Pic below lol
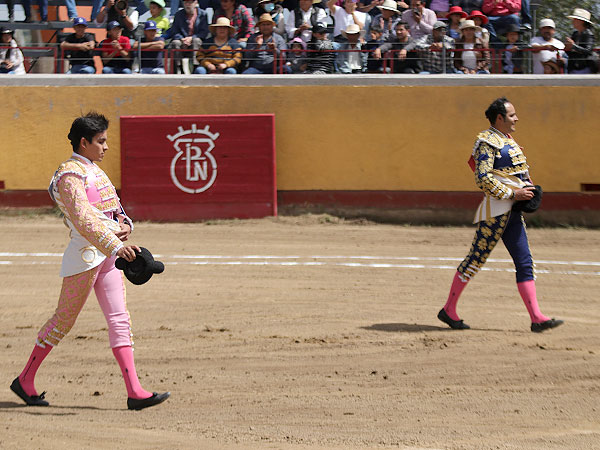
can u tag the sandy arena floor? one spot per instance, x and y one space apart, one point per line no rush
310 333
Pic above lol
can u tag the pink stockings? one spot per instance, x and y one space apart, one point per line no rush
526 289
109 287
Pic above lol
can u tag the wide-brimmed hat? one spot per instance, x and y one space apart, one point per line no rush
141 268
266 17
260 2
160 3
479 14
581 14
352 29
468 23
456 10
221 22
390 5
547 23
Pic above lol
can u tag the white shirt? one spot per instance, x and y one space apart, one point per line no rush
545 55
343 19
290 26
469 59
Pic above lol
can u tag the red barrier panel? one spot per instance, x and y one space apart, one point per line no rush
187 168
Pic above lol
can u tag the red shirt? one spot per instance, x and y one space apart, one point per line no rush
497 8
107 48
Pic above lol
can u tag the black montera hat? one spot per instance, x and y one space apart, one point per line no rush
532 204
141 268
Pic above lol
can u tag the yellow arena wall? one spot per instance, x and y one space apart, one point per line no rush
328 137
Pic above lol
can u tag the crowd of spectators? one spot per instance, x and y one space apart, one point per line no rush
317 36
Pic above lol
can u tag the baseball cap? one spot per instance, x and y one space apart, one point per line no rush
547 23
439 24
79 21
113 24
150 25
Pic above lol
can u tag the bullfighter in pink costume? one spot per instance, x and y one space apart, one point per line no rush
98 225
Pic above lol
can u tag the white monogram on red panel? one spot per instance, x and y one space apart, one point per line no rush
194 168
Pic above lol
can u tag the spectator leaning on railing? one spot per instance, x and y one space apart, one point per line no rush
220 53
434 50
580 46
512 57
265 45
79 46
321 51
152 45
403 62
472 59
547 49
11 57
116 50
351 61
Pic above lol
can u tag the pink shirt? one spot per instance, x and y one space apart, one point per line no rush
496 8
424 26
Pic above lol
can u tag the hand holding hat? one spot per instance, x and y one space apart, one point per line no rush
141 269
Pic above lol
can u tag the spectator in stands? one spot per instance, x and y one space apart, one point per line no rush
240 18
481 21
472 59
11 58
97 5
546 47
345 16
158 15
580 46
220 53
116 50
42 5
322 56
152 45
387 19
189 29
266 44
434 50
420 20
274 8
296 61
501 14
80 48
512 57
403 61
119 11
374 65
303 18
455 16
349 61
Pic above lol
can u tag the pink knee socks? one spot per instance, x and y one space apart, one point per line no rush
27 377
124 356
455 290
528 294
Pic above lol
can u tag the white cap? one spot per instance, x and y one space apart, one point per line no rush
547 23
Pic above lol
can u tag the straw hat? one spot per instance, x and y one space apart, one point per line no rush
390 5
221 22
467 24
266 17
581 14
352 29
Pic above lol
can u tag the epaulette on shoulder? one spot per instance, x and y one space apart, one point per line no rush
491 138
71 166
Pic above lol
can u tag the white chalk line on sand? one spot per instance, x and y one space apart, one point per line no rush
319 260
